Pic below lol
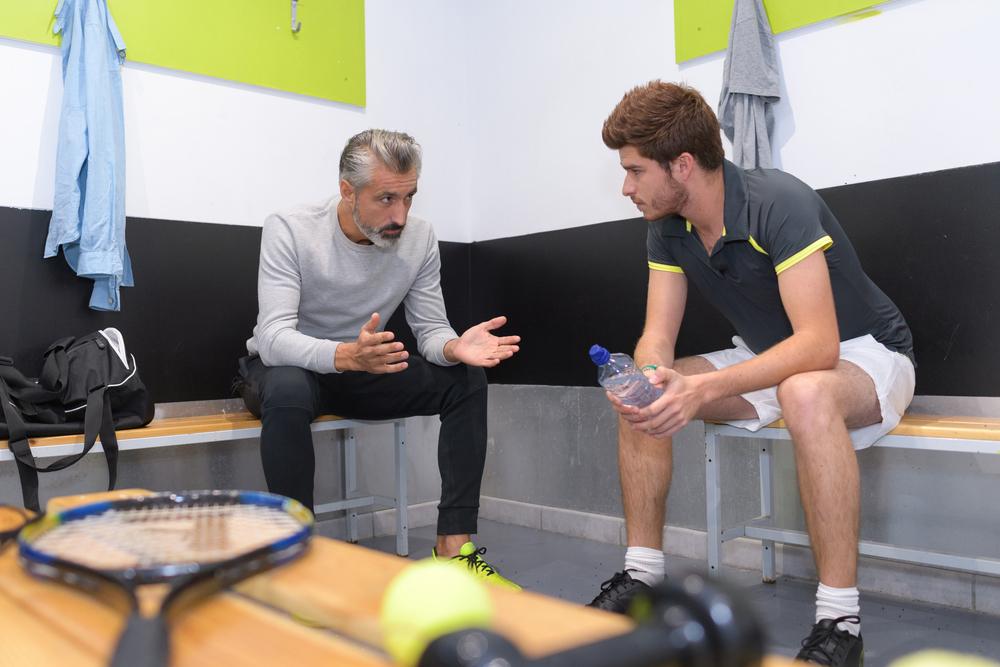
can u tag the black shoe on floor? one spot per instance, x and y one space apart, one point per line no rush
617 592
827 645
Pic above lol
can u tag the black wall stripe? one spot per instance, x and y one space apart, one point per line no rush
565 290
186 320
928 240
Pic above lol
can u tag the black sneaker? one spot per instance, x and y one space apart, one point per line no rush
827 645
617 592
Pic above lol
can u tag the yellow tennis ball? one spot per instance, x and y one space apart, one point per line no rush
427 600
941 658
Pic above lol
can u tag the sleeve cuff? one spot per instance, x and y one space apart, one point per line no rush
670 268
819 244
326 354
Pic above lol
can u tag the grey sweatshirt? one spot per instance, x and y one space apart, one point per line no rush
316 288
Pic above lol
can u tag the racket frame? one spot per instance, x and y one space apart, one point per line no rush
188 582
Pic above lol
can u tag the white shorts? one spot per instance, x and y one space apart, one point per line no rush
891 372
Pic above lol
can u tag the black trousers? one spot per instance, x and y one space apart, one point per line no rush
287 399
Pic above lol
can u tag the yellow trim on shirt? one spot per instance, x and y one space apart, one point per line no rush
688 224
756 246
665 267
819 244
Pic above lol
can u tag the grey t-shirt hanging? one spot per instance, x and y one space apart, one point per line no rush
316 288
750 85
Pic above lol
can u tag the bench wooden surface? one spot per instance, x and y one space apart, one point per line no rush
933 426
930 426
215 423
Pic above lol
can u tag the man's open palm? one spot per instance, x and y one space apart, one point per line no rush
479 347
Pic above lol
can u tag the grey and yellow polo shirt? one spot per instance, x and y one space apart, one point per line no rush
773 221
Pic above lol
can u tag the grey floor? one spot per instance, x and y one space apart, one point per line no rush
572 569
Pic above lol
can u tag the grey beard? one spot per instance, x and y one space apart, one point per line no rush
372 234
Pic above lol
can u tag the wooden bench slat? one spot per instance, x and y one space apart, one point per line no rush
171 426
936 426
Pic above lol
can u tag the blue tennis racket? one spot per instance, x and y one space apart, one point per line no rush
195 542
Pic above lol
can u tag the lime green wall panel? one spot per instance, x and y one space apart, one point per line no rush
239 40
702 26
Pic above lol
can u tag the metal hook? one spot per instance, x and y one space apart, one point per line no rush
296 25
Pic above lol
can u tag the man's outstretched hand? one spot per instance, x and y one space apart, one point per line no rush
479 347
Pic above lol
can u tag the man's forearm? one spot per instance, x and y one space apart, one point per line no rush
650 351
799 353
289 347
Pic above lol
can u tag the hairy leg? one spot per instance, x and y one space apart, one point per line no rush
818 408
645 464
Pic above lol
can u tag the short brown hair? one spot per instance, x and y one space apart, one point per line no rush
663 120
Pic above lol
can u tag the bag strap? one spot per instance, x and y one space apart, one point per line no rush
17 442
109 440
98 420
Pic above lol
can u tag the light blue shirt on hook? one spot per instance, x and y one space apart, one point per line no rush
88 211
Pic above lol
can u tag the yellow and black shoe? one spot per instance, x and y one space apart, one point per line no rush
471 558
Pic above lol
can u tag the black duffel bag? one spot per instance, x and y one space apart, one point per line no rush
87 385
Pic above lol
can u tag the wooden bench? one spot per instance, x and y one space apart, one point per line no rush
176 431
979 435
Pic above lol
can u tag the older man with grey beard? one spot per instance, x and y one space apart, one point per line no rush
329 274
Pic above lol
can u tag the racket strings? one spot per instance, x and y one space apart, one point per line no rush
151 537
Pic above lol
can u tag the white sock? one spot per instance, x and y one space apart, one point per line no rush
836 602
645 565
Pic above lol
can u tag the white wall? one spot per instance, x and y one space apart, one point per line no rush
205 150
508 98
911 90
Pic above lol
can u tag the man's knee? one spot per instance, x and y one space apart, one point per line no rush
806 399
475 379
465 381
288 387
634 440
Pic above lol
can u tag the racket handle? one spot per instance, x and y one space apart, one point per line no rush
144 643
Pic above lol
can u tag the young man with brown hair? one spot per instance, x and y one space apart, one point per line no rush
818 343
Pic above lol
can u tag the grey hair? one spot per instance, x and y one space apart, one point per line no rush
396 150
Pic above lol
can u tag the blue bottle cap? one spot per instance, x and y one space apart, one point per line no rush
599 355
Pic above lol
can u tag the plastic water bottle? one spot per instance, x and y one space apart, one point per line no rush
617 373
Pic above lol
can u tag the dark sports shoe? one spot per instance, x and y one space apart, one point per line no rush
826 645
617 592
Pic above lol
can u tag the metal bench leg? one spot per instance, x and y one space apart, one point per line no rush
713 499
349 468
766 504
402 525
